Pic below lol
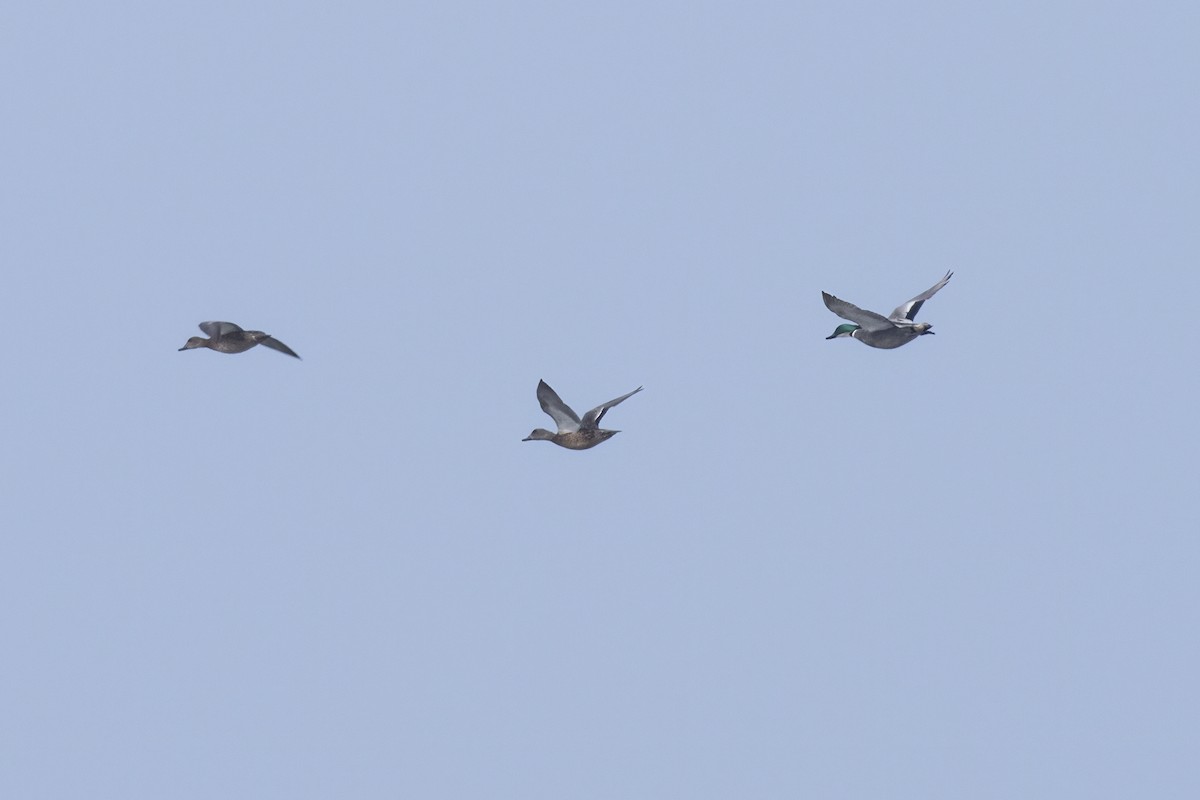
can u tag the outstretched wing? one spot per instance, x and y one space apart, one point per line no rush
216 330
909 310
592 418
560 412
867 320
275 344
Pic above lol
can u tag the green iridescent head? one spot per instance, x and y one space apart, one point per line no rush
845 329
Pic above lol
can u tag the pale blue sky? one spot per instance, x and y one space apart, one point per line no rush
806 568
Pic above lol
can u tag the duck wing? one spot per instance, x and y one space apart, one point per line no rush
867 320
592 418
275 344
909 310
216 330
566 419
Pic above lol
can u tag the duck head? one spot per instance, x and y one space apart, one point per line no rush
845 329
539 433
923 327
193 343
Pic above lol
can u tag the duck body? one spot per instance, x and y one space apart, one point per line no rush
573 432
225 337
572 440
876 330
886 339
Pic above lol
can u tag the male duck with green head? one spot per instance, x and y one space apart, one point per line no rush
877 330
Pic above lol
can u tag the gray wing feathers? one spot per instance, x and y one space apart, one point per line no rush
867 320
275 344
909 310
592 418
560 412
218 329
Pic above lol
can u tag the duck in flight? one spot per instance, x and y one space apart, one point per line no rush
573 433
877 330
225 337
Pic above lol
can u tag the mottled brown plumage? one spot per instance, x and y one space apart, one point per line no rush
229 338
573 433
